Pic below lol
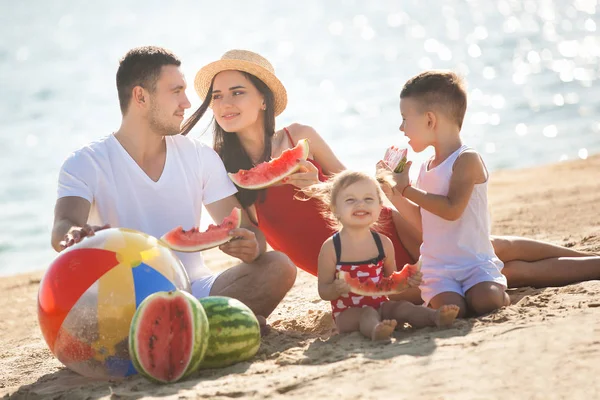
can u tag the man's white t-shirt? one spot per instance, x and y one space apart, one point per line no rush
122 195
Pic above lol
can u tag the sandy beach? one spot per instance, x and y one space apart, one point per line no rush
545 345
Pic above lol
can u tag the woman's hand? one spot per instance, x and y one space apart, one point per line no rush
307 175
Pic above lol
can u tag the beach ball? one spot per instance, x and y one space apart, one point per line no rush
90 292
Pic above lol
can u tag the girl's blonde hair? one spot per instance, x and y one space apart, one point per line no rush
328 191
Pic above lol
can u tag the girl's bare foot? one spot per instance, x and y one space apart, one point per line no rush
383 330
445 315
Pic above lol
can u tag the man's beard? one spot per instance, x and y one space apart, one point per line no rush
159 127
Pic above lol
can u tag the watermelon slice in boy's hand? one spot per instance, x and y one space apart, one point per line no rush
395 158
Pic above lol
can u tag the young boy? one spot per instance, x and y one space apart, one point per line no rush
449 202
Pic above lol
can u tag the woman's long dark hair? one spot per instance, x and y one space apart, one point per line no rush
227 144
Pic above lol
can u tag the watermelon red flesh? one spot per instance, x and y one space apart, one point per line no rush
193 240
392 284
268 173
168 336
164 347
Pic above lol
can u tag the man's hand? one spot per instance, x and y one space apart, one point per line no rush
244 246
76 234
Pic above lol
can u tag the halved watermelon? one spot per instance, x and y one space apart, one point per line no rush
392 284
168 336
268 173
193 240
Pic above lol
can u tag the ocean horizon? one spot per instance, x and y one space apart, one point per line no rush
531 68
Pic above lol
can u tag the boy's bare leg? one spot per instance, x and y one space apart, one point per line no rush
511 248
486 297
260 285
418 316
552 271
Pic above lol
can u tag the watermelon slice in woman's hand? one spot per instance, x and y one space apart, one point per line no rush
193 240
269 173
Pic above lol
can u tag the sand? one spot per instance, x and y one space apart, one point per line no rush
545 345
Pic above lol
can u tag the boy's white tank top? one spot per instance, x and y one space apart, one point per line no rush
461 243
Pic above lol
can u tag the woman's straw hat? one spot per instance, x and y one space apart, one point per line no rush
247 61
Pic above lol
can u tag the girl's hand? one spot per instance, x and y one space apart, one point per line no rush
415 280
341 287
307 175
416 277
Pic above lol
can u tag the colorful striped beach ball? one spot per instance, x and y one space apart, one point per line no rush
90 292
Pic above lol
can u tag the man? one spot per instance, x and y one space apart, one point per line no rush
147 177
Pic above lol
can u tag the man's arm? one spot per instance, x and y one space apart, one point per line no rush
70 222
251 242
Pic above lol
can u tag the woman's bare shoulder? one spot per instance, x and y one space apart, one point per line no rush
299 131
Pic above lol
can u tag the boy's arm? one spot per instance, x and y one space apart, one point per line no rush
410 211
392 184
468 170
329 285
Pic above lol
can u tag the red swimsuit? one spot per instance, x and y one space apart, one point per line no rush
369 269
298 229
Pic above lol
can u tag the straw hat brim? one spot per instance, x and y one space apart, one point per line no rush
206 74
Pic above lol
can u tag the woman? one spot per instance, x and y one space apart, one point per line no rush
246 96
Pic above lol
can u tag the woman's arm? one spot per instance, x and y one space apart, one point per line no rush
319 149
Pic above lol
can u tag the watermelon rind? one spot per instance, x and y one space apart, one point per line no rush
234 332
195 247
303 155
200 333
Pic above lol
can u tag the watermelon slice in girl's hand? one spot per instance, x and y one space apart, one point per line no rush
395 283
395 158
193 240
268 173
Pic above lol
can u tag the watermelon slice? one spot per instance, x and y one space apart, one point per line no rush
395 158
395 283
193 240
268 173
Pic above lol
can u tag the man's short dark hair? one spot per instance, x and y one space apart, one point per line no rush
442 91
141 66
